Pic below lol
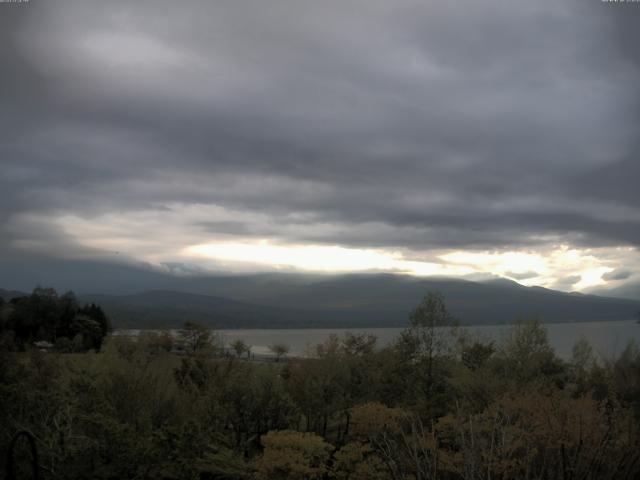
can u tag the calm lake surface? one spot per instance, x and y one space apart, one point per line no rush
607 338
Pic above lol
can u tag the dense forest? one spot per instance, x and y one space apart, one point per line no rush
438 403
53 321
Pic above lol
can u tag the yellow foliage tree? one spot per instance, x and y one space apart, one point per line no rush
358 461
540 435
372 419
290 455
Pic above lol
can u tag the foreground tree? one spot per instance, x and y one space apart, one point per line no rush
358 461
196 337
535 435
290 455
239 347
528 356
279 350
429 335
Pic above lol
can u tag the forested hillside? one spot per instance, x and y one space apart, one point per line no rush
297 301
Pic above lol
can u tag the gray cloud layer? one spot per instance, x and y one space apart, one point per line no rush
618 274
405 124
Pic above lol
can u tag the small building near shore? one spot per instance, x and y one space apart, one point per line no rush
43 345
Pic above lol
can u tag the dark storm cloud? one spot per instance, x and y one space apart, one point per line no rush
405 124
618 274
230 227
567 282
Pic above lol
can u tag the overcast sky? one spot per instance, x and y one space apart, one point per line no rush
449 137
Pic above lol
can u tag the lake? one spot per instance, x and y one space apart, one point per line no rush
607 338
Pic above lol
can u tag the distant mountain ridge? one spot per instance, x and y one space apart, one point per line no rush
9 294
277 300
629 290
165 308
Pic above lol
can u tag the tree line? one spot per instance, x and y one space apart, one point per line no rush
54 320
438 403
